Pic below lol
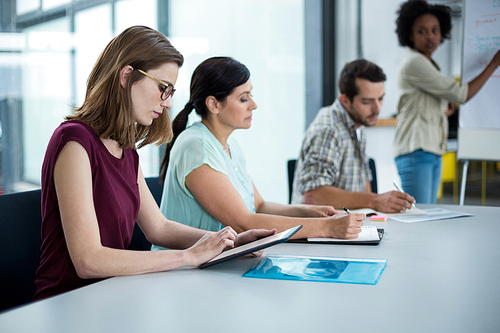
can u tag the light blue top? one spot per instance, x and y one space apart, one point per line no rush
194 147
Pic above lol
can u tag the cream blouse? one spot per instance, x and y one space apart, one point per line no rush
425 93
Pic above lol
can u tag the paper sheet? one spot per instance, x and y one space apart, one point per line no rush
433 214
369 211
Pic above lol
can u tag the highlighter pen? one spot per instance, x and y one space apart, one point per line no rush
400 190
347 210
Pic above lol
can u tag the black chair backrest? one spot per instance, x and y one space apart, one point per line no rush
291 172
156 188
371 164
20 242
139 241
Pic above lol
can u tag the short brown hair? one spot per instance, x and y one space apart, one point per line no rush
358 69
108 107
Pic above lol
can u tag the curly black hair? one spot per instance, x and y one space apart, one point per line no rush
411 10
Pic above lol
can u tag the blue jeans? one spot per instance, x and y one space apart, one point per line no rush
420 174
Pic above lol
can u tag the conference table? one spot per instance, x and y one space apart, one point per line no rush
441 276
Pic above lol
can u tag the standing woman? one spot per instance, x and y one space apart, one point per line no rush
93 189
204 168
427 98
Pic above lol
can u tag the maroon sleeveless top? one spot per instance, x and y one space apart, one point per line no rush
116 201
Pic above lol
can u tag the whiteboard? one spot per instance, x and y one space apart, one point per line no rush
479 119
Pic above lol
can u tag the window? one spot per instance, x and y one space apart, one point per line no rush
60 40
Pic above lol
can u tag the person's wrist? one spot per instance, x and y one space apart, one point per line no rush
372 200
327 227
301 210
188 258
496 62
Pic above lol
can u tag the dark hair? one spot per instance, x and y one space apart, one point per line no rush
358 69
217 77
411 10
108 107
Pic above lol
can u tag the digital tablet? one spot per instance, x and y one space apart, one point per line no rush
254 246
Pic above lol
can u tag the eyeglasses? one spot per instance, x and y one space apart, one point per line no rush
168 89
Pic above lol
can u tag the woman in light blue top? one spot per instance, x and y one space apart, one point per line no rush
206 183
193 148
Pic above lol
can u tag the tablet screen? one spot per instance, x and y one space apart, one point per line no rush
254 246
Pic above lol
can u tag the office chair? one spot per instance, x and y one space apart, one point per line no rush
139 241
20 242
291 172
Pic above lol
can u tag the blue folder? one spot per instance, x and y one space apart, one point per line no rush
321 269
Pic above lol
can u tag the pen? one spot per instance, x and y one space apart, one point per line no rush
347 210
400 190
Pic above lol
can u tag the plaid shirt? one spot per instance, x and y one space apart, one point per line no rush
332 154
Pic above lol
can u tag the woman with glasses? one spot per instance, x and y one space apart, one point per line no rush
93 189
204 168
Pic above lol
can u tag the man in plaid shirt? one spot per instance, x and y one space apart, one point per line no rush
332 168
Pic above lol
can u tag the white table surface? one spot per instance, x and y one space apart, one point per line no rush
441 276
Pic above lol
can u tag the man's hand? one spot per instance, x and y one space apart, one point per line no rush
393 202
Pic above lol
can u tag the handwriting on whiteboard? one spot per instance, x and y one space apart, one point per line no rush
486 43
486 21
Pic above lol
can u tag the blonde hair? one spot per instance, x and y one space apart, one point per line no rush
108 106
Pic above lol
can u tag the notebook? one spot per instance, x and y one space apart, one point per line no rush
369 235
